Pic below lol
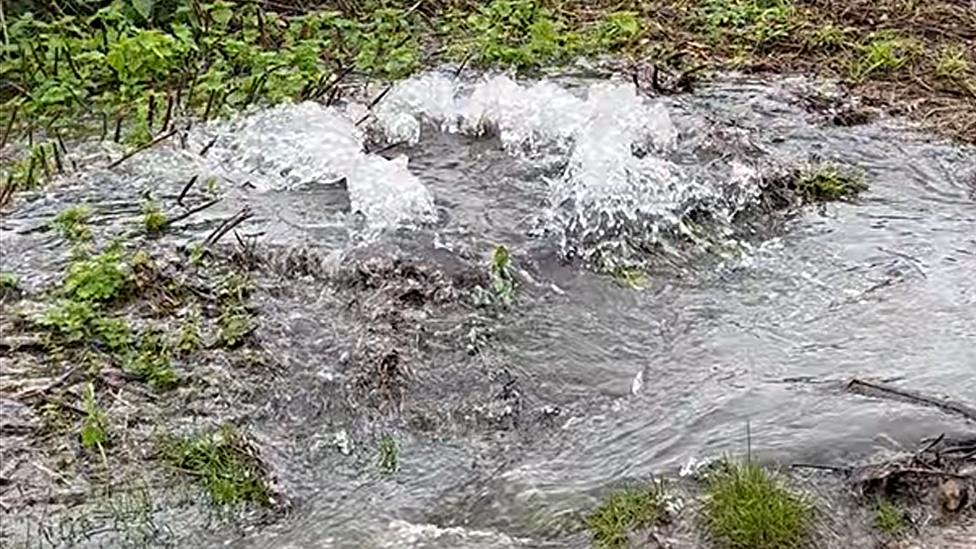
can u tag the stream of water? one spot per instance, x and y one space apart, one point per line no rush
613 383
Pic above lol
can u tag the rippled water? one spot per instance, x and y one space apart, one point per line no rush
614 383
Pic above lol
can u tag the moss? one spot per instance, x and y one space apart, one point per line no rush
747 507
223 463
827 183
625 511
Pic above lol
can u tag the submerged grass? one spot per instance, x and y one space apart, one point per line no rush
223 463
828 183
747 507
625 511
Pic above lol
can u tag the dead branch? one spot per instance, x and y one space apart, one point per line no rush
868 388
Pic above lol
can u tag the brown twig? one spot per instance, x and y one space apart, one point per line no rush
192 211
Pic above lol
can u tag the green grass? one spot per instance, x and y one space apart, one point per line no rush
94 433
889 518
223 463
625 511
747 507
754 23
884 54
828 183
952 63
72 224
388 455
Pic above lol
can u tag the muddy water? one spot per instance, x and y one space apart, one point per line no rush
610 383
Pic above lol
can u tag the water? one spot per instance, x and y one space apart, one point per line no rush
586 382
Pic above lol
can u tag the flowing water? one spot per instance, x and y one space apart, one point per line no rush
596 382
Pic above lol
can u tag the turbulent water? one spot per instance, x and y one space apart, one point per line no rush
610 383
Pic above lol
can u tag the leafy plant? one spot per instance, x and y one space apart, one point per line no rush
224 463
757 22
189 338
72 224
71 320
151 363
625 511
100 278
502 279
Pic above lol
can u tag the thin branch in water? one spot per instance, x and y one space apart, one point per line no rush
206 148
186 189
192 211
141 148
244 214
464 63
373 103
57 157
118 127
876 389
210 103
169 111
151 111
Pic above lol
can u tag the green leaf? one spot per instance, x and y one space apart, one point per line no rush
144 7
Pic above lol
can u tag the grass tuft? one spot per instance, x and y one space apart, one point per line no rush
625 511
93 431
9 284
827 183
153 219
952 63
746 507
889 518
223 463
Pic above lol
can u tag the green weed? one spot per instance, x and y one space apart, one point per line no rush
626 511
830 37
233 289
827 183
389 455
748 508
9 284
952 63
755 22
513 33
153 219
502 290
189 338
71 320
150 362
93 429
889 518
224 463
615 30
99 279
630 277
72 224
884 54
234 327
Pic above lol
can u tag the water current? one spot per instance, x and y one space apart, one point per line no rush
612 383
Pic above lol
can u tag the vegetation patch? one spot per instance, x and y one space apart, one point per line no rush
388 456
225 465
153 219
747 507
889 518
98 279
72 224
827 183
502 280
626 511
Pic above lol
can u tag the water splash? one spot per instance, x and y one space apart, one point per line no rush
308 144
623 177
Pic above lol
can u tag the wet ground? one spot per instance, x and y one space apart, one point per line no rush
511 423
